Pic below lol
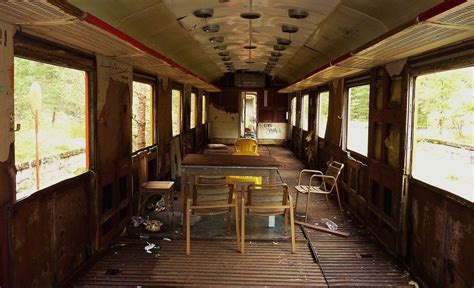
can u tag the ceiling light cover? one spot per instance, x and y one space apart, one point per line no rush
279 47
250 47
273 59
223 53
289 28
297 13
226 59
204 13
276 54
220 47
250 15
283 41
211 28
217 39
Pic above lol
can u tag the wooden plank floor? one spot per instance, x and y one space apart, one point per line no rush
344 262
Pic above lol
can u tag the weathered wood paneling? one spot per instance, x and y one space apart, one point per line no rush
50 233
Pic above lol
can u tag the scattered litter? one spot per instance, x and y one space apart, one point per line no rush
275 243
113 271
149 247
115 252
118 245
144 236
167 239
157 255
331 225
136 221
414 283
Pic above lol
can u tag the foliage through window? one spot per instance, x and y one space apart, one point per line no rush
50 103
142 116
443 146
358 119
176 111
204 109
192 116
304 112
293 111
323 108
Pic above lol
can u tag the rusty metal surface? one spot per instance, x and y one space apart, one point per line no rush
211 263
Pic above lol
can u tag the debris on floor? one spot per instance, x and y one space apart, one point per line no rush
167 239
331 225
136 221
150 247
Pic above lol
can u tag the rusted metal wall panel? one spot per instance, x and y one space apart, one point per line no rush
441 237
7 173
49 233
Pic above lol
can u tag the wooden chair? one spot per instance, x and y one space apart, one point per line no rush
211 199
150 188
327 184
268 200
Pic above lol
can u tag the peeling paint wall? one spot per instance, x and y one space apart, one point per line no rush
223 125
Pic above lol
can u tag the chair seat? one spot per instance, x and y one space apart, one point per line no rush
158 185
245 179
310 189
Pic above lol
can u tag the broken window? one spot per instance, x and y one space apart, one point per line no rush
358 119
50 106
142 116
192 116
293 111
323 108
176 111
304 112
443 144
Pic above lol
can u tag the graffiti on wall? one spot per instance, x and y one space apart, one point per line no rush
272 130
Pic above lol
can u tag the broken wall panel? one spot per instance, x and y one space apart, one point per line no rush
50 233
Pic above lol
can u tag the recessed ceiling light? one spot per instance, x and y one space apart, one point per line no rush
273 59
250 15
204 13
276 54
250 47
211 28
220 47
289 28
217 39
226 59
297 13
223 53
250 62
279 47
283 41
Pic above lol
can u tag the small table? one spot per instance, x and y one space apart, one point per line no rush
225 165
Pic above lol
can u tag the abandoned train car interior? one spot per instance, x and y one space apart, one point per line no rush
216 143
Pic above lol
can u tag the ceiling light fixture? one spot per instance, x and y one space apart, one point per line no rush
276 54
217 39
226 59
250 16
279 48
283 41
204 13
297 13
220 47
211 28
289 28
250 47
223 53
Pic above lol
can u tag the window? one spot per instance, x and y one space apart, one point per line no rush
304 112
192 116
323 108
358 119
176 111
50 106
142 116
204 109
293 111
443 144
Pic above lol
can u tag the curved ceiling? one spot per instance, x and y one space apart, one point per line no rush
332 28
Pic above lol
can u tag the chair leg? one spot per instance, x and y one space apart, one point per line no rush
327 201
286 221
242 230
229 214
237 228
338 199
188 227
292 226
296 204
307 207
167 205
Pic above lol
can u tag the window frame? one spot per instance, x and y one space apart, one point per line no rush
361 80
204 106
191 116
180 88
26 47
304 124
145 79
293 106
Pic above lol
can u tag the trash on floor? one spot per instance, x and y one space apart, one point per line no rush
136 221
167 239
331 225
150 247
153 225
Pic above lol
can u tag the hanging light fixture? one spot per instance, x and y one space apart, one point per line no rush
250 16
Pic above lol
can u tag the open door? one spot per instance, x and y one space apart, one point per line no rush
248 114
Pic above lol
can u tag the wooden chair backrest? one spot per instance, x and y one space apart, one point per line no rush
142 167
208 179
248 145
212 194
334 170
259 196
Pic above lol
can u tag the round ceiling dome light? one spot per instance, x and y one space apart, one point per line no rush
273 59
226 59
276 54
217 39
297 13
250 47
211 28
204 13
289 28
220 47
283 41
249 62
279 47
223 53
250 15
